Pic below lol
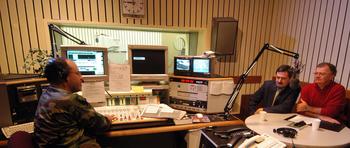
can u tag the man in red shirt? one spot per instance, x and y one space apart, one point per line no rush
323 99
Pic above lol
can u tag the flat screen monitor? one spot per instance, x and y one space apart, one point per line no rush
92 61
182 66
148 63
201 67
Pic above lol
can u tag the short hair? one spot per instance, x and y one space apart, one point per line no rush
286 68
331 67
57 70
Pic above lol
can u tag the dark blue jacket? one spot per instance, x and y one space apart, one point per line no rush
284 102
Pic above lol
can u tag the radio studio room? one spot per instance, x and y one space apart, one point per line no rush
174 73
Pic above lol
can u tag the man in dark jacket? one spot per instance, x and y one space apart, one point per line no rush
276 96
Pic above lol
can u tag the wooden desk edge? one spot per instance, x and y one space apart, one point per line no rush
3 143
163 129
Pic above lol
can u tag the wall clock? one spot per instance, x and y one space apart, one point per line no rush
133 8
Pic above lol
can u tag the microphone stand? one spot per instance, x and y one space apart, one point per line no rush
243 77
52 29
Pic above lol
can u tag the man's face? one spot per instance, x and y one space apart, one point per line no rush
74 78
323 75
282 79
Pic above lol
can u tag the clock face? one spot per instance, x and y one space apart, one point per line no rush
133 7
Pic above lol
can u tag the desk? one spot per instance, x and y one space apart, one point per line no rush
152 131
172 136
172 128
305 137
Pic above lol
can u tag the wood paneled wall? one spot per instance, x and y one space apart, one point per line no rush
317 29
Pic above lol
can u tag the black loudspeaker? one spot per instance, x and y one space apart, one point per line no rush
286 132
224 35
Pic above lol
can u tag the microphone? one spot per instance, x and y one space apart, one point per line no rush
277 49
234 140
294 83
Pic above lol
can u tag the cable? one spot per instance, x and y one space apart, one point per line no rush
292 143
110 96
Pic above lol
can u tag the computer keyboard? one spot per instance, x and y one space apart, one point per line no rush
9 130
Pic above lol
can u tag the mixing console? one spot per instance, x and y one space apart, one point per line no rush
126 114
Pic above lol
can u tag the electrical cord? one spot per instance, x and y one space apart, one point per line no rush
293 145
110 96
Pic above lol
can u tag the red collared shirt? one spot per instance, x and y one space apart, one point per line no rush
331 99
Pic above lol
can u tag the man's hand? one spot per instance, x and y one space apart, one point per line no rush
302 106
329 119
111 117
258 110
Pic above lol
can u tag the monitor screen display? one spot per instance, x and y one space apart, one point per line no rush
88 62
92 61
148 61
201 65
182 64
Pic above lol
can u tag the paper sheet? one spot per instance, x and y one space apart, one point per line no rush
119 77
94 92
152 109
221 87
299 118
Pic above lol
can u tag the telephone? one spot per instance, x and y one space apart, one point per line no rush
262 141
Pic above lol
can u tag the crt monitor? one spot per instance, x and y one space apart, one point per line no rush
91 60
202 67
182 66
148 63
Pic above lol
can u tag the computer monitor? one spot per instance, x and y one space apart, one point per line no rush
182 66
92 61
148 63
202 67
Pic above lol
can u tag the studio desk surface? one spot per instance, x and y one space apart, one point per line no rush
215 121
172 128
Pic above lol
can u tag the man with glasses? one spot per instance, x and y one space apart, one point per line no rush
323 99
65 119
276 96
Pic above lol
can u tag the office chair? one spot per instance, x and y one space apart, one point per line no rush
21 139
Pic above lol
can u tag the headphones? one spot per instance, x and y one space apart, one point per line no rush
286 132
59 68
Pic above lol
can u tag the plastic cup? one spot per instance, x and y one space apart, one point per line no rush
262 115
315 124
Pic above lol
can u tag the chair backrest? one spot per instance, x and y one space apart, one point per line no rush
346 115
21 139
244 113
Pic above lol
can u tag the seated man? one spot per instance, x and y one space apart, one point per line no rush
64 119
276 96
324 98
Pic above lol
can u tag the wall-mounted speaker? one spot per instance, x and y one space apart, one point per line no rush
224 35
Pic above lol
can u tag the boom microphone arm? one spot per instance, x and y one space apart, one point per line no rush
52 29
242 78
